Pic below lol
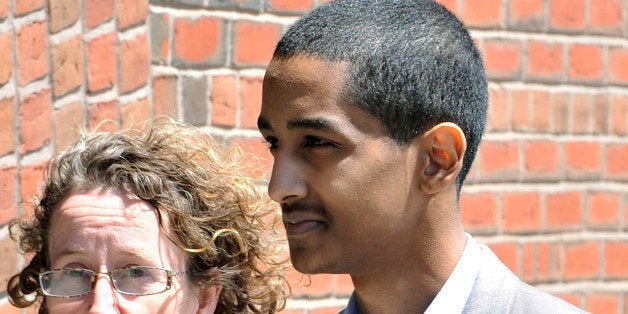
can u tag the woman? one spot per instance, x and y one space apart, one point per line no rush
158 223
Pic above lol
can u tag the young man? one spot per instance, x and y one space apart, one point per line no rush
374 111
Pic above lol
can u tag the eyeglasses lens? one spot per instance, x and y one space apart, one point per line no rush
66 282
137 280
140 280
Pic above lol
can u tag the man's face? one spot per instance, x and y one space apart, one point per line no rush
345 187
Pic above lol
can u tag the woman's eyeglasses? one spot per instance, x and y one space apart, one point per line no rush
135 280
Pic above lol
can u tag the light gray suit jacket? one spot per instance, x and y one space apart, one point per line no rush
497 290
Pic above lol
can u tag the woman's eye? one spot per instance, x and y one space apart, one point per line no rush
136 272
75 273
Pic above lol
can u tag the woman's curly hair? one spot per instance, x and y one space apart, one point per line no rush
216 213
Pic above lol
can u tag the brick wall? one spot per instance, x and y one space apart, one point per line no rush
548 191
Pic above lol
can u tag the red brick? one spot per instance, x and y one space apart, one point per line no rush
63 14
479 211
136 115
499 159
8 262
6 66
567 14
603 209
134 63
581 113
32 56
526 11
104 116
5 8
583 157
8 194
521 212
573 298
521 113
585 62
600 118
224 98
541 158
502 58
160 37
560 104
616 165
619 114
131 13
22 7
195 100
603 303
31 180
36 117
618 65
482 13
508 253
7 127
499 109
546 259
67 66
291 5
68 121
528 262
563 210
199 40
545 60
98 11
541 110
251 100
165 95
606 14
582 261
615 257
101 62
255 42
451 5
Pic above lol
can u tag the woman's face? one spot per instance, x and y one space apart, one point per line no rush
104 230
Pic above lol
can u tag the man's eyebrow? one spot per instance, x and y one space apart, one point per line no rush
317 124
302 123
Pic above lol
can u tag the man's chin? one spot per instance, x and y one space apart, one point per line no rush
312 265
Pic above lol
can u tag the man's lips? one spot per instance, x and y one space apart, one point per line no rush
299 224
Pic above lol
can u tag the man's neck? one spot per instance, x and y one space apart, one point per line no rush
408 280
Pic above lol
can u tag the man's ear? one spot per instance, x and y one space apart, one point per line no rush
208 299
443 149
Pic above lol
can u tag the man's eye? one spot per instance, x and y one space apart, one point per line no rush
311 141
271 141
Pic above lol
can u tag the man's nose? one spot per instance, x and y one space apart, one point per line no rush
287 181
